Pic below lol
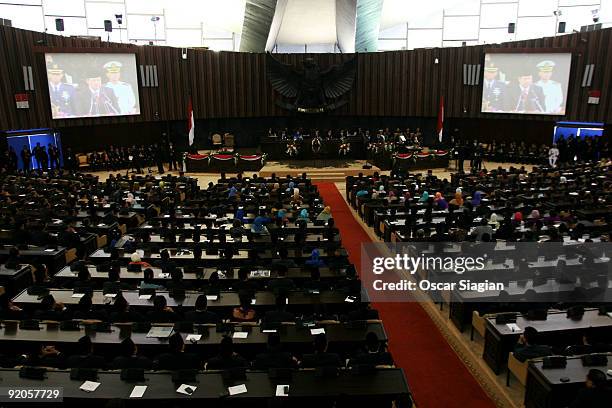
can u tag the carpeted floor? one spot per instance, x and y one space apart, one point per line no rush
436 376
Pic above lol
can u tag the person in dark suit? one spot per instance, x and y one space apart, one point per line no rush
94 99
320 357
113 284
244 284
281 285
161 312
49 309
86 311
121 312
374 353
129 357
274 357
279 314
176 358
524 96
26 158
596 394
201 315
528 347
227 358
85 357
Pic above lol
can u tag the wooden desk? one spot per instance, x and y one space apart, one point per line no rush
545 389
15 280
53 258
556 330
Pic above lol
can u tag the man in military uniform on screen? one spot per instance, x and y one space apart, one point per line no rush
493 90
524 96
61 94
96 100
553 93
123 91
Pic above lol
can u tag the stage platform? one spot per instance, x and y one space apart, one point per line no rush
318 170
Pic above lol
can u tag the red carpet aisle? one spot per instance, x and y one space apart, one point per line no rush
435 374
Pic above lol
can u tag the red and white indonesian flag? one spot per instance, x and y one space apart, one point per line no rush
440 127
190 122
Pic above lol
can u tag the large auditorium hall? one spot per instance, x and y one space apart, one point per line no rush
306 203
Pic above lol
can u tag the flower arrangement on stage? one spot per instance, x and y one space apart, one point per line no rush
344 148
316 144
292 148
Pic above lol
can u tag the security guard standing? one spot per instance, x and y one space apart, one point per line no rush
123 91
553 93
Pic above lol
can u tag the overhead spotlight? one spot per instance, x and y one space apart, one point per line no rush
558 13
155 19
595 14
119 18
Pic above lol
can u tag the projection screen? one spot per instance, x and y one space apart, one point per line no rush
526 83
92 84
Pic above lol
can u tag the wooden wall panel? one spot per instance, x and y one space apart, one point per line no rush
234 85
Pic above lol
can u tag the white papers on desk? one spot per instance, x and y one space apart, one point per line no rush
253 301
350 299
269 331
89 386
314 332
212 297
144 297
166 215
138 391
163 275
193 337
186 389
282 390
49 250
237 389
110 295
77 295
513 327
240 335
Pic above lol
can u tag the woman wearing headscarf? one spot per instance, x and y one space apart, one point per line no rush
239 214
477 198
258 226
424 197
303 215
291 186
282 214
458 200
296 198
440 201
325 214
232 192
314 259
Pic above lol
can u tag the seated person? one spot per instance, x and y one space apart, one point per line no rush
528 347
49 309
596 394
483 228
281 285
244 284
279 314
85 357
147 282
227 358
374 353
244 312
274 357
136 260
320 357
201 315
284 260
314 284
113 284
121 312
258 226
83 283
43 355
325 214
315 259
176 280
176 358
364 311
591 343
129 357
161 313
86 311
